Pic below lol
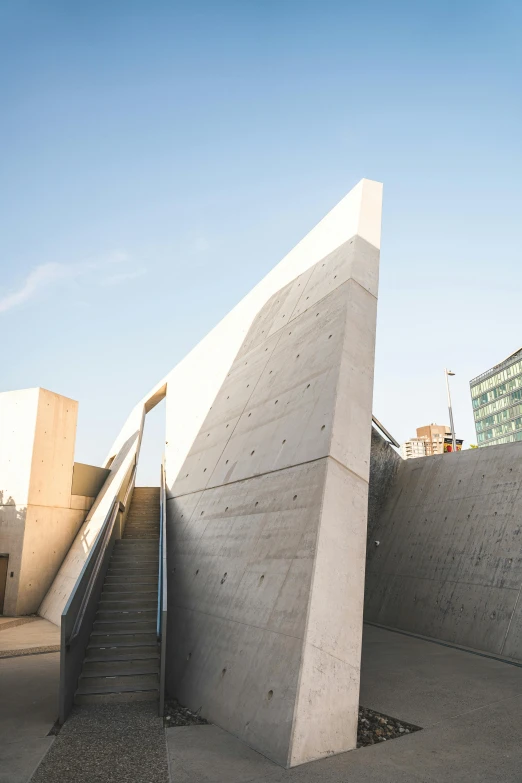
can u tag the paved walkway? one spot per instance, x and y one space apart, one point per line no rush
29 636
470 708
28 711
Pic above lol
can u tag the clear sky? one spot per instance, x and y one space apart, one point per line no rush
158 158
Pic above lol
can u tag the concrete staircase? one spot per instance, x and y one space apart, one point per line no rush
122 660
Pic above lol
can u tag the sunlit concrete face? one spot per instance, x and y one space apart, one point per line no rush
267 521
38 515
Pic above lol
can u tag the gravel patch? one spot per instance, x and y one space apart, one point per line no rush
177 715
373 727
29 651
108 743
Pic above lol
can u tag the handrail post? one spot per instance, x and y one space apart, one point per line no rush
161 625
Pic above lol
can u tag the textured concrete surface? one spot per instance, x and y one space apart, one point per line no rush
384 464
425 683
212 755
449 564
27 636
471 707
267 529
28 710
108 743
37 520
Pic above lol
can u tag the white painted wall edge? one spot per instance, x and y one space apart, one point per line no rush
194 382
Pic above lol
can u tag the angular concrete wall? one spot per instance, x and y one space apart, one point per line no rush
38 516
267 521
449 563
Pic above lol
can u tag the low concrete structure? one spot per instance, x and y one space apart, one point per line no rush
39 516
449 561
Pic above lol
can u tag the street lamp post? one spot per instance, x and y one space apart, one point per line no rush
447 373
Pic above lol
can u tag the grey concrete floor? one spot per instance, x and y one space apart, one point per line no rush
28 710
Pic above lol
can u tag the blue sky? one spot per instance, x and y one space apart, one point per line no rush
159 158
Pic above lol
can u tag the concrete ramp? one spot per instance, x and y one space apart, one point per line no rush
267 521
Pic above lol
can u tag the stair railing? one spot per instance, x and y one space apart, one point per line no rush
80 610
161 625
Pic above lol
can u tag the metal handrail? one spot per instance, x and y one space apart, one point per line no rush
161 624
385 432
106 531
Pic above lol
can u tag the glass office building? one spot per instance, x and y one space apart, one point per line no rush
497 402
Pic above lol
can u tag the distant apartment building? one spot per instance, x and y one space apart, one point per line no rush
433 435
496 396
414 447
429 441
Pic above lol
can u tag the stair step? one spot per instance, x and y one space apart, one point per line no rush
144 537
128 614
119 697
123 579
144 591
131 604
133 569
127 652
119 626
120 667
122 638
109 683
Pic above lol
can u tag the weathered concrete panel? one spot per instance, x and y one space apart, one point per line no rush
88 479
449 563
384 464
37 521
267 526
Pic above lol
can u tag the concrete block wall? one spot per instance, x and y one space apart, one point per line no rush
38 515
449 563
267 521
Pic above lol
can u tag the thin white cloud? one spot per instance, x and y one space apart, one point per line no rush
122 277
46 275
40 277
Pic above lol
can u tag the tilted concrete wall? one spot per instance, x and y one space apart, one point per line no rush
39 517
267 521
449 562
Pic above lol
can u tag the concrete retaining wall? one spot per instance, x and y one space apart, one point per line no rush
449 563
384 465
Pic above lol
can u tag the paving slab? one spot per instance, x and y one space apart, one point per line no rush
28 710
423 683
211 755
37 636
